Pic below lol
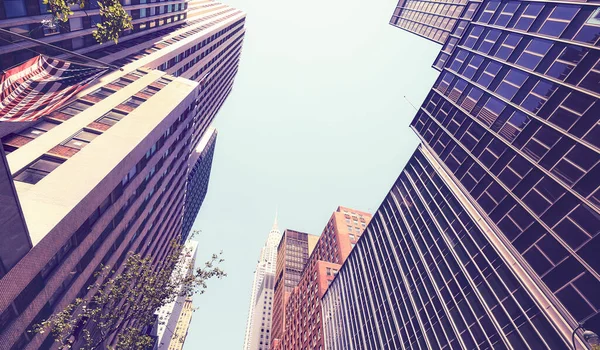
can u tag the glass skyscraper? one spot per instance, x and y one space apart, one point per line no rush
510 131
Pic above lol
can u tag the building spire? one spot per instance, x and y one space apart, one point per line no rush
275 226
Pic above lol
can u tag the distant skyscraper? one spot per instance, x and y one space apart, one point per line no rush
106 174
262 311
303 325
258 325
511 144
200 164
292 255
182 326
170 314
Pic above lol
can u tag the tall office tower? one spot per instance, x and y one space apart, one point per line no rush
292 255
511 130
170 314
106 174
262 312
261 289
182 326
303 326
199 166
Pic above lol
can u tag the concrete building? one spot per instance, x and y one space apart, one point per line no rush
258 325
107 173
292 255
182 326
303 326
262 315
492 231
170 314
199 164
14 236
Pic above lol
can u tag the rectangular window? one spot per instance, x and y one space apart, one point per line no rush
75 108
150 90
15 8
121 82
38 129
38 170
134 102
81 139
101 93
111 118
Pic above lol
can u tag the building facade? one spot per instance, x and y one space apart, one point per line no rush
169 331
200 164
303 326
107 174
15 237
153 19
428 273
292 255
258 325
182 326
509 139
262 315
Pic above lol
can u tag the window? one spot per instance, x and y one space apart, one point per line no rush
38 170
111 118
534 53
134 102
101 93
38 129
508 46
511 83
75 108
528 16
506 14
81 139
150 90
558 20
489 73
15 8
121 82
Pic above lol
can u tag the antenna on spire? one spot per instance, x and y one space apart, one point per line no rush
410 103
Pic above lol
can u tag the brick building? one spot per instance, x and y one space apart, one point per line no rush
292 255
303 327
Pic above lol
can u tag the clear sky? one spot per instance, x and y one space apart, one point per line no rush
316 119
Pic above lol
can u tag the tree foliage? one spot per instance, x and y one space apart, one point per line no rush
123 302
114 17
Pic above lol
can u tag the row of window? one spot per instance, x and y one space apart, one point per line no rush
432 280
544 228
556 152
571 64
23 300
14 141
165 66
575 22
47 163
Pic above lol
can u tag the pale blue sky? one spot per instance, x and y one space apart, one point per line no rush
316 119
